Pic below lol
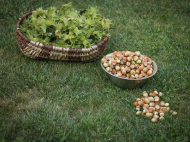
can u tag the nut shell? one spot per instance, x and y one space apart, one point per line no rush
149 115
155 120
138 112
135 103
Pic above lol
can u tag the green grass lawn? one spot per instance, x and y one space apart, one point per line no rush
44 100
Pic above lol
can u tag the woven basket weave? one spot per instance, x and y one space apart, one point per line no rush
38 50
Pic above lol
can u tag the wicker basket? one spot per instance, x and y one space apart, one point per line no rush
38 50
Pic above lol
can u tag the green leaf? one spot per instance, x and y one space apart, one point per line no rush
49 34
55 17
69 36
60 42
40 12
81 20
90 32
72 26
43 27
23 30
36 35
64 20
33 17
92 12
30 36
26 23
49 22
65 7
51 11
46 40
73 40
41 21
105 23
105 34
89 22
36 39
85 43
59 26
58 33
30 32
97 34
73 14
37 27
76 31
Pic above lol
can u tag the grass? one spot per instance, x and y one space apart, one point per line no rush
68 101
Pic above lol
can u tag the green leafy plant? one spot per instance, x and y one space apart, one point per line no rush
66 27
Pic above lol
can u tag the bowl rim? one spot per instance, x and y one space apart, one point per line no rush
155 68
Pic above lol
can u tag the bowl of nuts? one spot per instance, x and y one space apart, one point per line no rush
128 70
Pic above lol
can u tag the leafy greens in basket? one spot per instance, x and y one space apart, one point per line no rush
66 27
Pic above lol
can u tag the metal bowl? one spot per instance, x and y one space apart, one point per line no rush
126 83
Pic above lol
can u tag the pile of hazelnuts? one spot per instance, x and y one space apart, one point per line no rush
127 64
150 106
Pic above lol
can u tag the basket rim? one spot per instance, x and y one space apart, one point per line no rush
21 18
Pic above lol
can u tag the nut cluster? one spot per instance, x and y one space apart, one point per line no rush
127 64
151 106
